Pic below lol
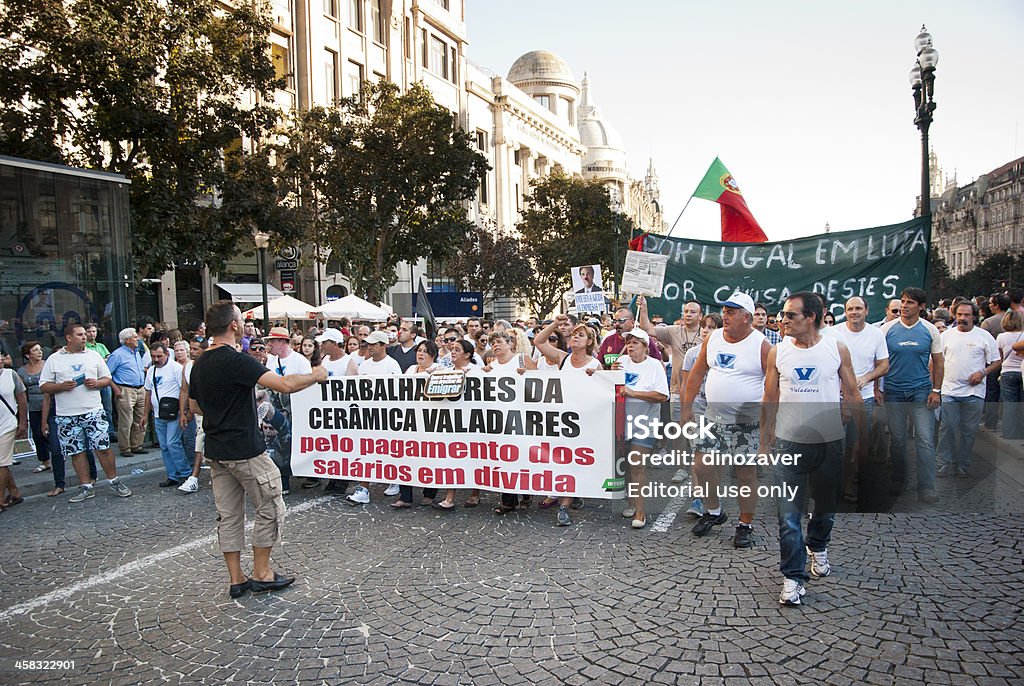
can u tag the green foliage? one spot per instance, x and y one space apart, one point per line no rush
491 261
390 173
568 222
995 274
939 277
152 90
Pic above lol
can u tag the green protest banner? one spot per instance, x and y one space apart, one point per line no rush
876 264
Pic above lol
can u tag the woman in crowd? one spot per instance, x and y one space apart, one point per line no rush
296 340
352 345
32 356
462 360
310 349
550 339
578 359
829 319
507 361
426 362
700 403
480 339
1010 377
645 389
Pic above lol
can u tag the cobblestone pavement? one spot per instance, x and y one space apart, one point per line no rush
134 591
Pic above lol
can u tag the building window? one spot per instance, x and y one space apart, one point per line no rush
454 71
483 190
331 75
282 64
425 41
437 61
544 101
519 198
443 3
481 140
517 158
570 111
355 15
354 78
331 8
377 22
407 37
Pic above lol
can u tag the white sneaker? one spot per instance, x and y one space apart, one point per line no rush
191 485
819 563
628 512
792 592
361 496
391 490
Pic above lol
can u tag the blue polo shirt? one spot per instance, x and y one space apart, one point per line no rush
910 351
128 367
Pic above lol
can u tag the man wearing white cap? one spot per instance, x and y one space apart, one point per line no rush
733 359
284 361
379 363
335 359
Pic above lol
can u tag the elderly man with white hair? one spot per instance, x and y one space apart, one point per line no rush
128 365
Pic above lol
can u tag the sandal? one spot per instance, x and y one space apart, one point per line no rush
45 467
524 502
11 502
503 509
547 502
56 491
400 505
472 502
442 506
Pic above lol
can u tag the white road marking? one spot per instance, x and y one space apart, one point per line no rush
130 568
665 519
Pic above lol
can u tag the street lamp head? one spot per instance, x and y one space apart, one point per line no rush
923 40
915 75
929 57
262 239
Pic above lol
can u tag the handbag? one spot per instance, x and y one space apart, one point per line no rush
166 408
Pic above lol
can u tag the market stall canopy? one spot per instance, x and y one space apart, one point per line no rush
284 307
248 292
353 307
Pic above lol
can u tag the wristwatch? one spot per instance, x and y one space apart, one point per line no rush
936 390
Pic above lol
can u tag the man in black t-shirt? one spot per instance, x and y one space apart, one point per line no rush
221 389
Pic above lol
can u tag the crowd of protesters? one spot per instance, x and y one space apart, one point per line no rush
959 363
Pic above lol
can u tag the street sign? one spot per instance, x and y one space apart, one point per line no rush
286 264
288 281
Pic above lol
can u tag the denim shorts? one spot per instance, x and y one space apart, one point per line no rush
81 431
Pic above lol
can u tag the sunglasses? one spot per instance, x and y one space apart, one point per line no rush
791 315
552 339
451 339
620 321
257 348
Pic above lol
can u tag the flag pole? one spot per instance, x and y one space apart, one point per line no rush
669 234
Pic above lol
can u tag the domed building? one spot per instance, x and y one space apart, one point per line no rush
546 78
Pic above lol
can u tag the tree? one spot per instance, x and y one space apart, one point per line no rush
491 261
151 90
939 277
391 173
568 222
992 275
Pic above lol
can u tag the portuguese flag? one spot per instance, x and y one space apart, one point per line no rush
738 225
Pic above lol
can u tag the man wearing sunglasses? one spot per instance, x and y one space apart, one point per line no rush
612 346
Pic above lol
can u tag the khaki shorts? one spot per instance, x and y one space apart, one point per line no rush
7 449
258 479
200 436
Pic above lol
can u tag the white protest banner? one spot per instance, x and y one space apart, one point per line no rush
536 433
587 289
644 273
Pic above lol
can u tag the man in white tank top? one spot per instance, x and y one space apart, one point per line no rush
801 416
733 359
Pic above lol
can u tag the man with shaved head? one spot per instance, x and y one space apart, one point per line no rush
870 357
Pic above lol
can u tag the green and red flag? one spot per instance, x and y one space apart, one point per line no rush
738 224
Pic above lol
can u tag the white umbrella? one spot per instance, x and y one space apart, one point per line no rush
353 307
285 307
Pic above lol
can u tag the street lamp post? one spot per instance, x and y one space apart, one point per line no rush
262 240
922 80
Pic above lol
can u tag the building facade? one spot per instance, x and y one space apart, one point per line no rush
981 218
533 121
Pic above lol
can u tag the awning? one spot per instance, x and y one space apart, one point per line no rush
248 292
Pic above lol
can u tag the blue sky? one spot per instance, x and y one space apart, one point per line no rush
807 103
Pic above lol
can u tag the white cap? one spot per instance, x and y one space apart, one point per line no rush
377 337
331 335
739 300
638 333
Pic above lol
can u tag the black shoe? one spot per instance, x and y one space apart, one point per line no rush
277 584
744 537
577 504
169 483
708 520
238 590
311 483
336 486
139 451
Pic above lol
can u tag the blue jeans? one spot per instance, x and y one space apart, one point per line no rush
816 474
168 432
1010 393
960 416
912 404
188 440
